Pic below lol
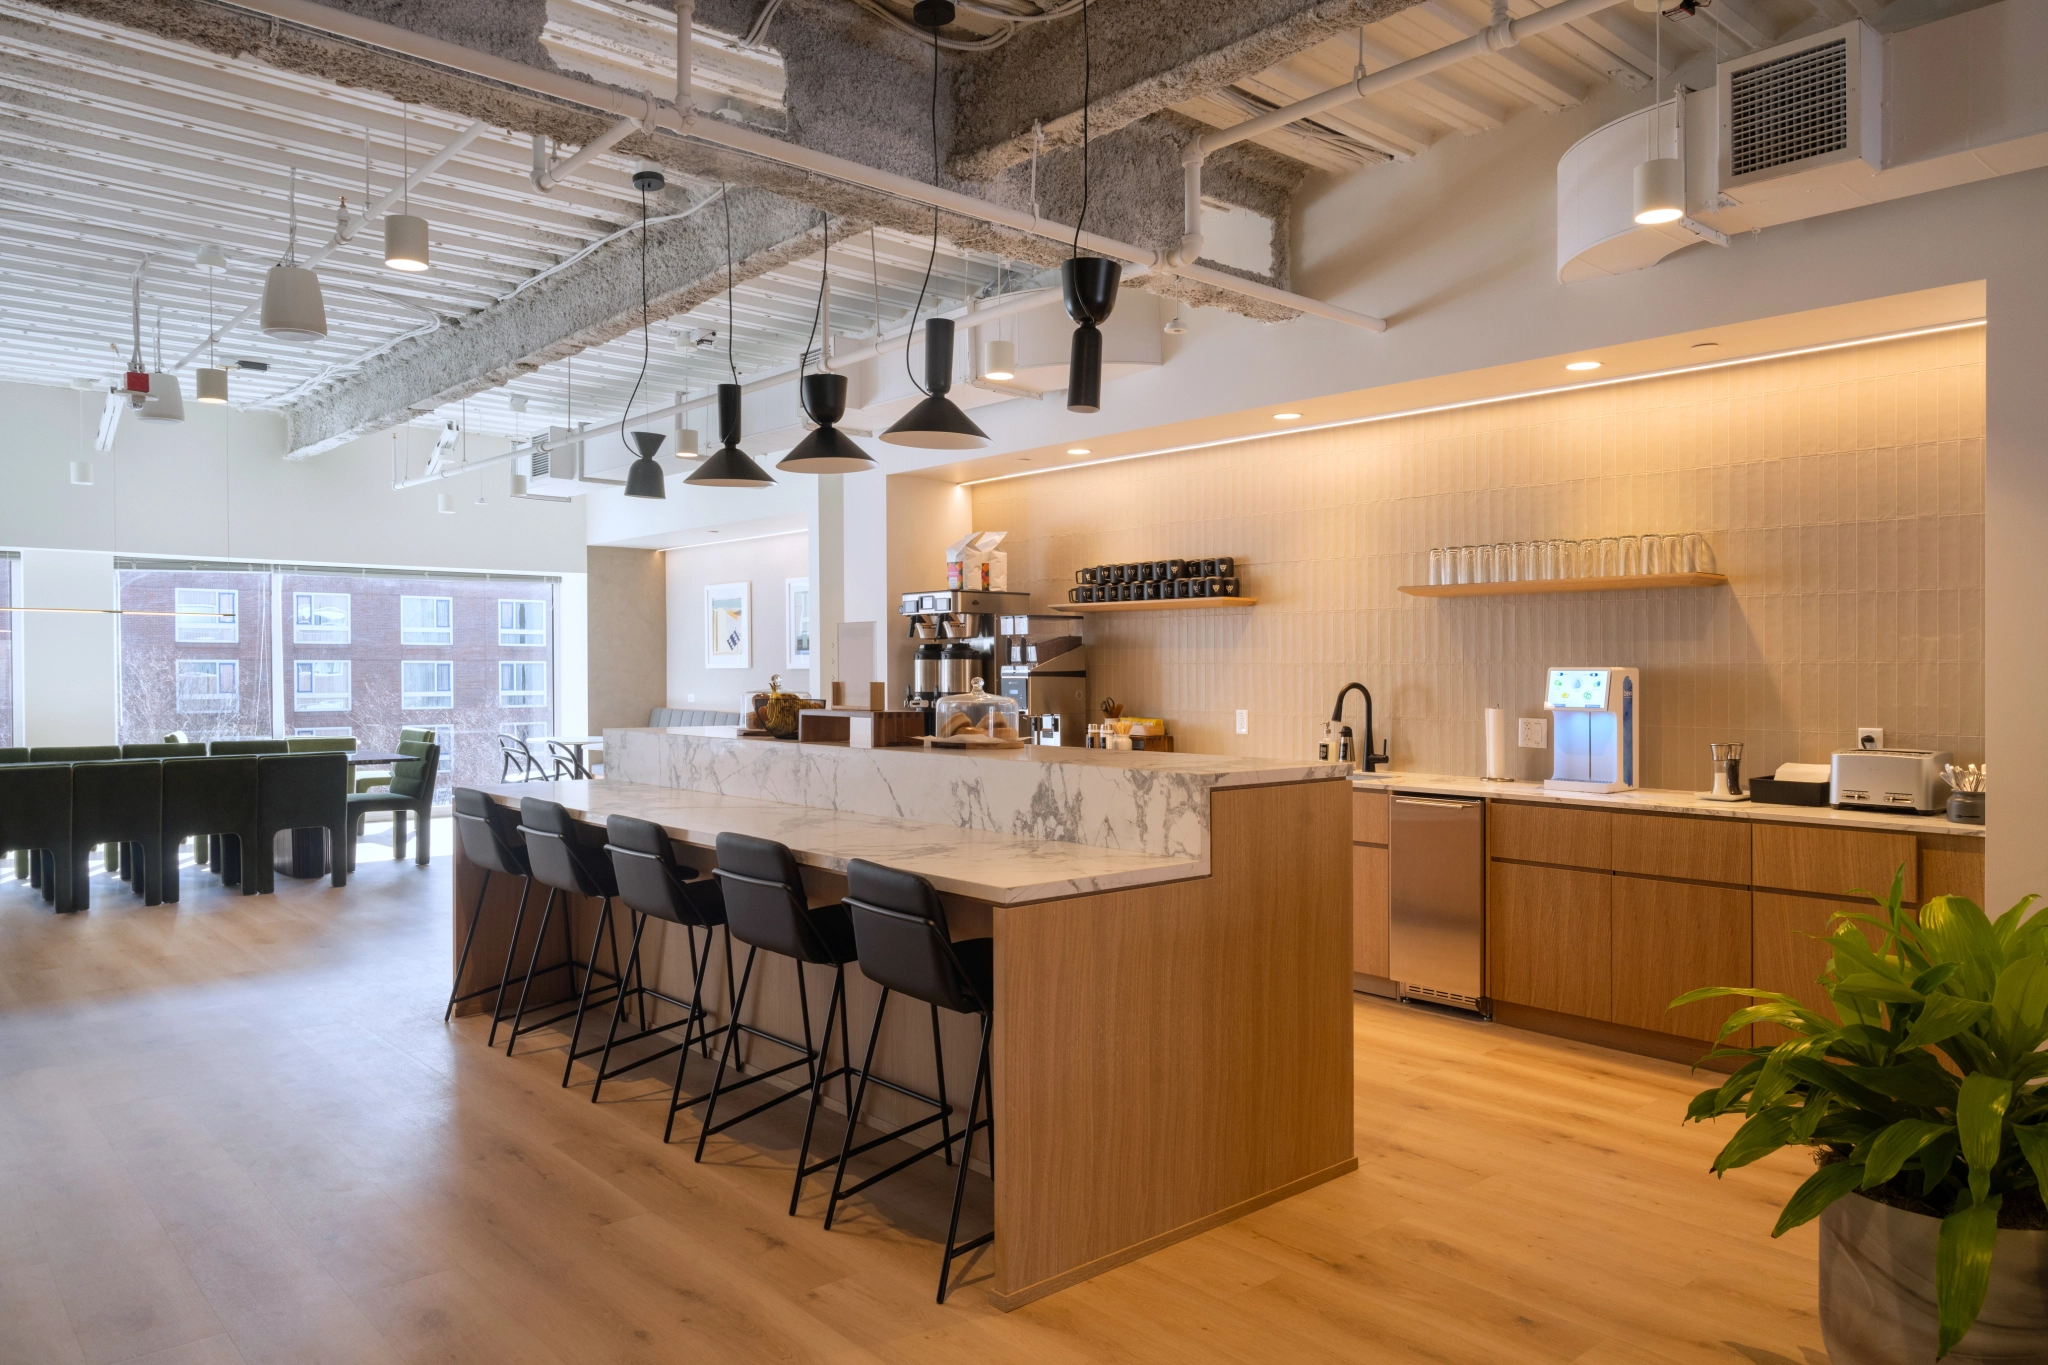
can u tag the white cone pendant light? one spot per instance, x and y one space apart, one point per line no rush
405 233
729 466
292 305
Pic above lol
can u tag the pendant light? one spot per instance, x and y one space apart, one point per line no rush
1660 180
164 403
1088 284
729 466
827 450
213 381
405 235
937 423
292 306
1001 362
644 478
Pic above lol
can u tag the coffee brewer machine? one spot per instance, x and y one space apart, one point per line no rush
1045 671
957 639
1593 729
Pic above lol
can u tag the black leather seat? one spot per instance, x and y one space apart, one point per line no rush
561 862
489 834
900 926
653 885
210 798
118 802
35 818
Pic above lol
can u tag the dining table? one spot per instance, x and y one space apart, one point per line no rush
577 744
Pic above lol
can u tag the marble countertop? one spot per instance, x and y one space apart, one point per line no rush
1003 869
1665 802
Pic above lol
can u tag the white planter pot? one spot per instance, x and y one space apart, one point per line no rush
1877 1291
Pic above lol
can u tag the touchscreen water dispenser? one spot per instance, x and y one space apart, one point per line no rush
1593 727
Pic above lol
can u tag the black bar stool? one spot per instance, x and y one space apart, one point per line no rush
899 926
652 885
489 834
565 868
766 908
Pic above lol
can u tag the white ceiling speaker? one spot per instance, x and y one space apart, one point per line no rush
292 305
405 242
163 403
210 257
212 386
1660 190
1175 327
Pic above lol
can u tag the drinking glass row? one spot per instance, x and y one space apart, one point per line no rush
1529 561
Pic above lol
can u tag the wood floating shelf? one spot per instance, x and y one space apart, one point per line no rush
1163 604
1624 583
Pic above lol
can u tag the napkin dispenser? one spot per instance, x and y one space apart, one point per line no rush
1905 780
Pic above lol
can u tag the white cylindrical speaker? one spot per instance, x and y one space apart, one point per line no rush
405 242
1660 190
212 386
292 305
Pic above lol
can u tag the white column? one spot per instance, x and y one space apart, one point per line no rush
70 659
828 579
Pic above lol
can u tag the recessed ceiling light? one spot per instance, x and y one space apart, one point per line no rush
1079 450
1287 417
1583 365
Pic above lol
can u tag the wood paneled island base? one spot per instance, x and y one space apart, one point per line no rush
1167 1057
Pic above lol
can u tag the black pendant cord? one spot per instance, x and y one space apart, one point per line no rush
931 259
626 418
1087 78
824 283
730 313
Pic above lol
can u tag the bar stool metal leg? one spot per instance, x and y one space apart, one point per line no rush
954 1247
505 976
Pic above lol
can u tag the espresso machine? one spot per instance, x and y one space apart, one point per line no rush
1594 714
957 640
1045 671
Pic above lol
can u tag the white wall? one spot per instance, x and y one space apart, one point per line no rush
767 563
70 684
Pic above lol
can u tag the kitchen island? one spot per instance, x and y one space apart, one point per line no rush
1172 932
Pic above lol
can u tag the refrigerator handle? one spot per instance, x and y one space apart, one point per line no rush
1432 801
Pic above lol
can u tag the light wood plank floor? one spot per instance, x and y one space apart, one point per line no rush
236 1130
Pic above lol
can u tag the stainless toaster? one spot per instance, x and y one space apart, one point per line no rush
1904 780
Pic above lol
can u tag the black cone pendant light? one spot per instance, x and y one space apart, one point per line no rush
827 450
644 478
1088 283
729 466
937 423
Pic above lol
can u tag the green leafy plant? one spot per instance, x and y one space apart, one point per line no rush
1926 1095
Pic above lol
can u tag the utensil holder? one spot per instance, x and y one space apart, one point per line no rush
1966 808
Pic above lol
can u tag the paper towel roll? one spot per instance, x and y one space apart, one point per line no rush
1496 743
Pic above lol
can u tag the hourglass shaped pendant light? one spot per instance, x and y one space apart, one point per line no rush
729 466
826 450
1088 284
405 234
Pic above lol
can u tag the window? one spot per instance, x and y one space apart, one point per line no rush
428 685
320 684
323 731
426 620
525 729
319 618
206 615
522 621
209 686
522 684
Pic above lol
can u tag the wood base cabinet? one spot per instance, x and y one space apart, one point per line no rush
1673 937
1549 939
1371 893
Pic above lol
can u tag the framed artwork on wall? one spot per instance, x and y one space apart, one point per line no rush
729 637
798 621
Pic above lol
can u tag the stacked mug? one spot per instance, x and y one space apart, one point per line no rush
1156 580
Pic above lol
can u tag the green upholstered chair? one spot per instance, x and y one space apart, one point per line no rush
320 744
13 755
118 802
412 792
74 753
299 791
166 750
211 797
20 854
369 779
221 748
35 818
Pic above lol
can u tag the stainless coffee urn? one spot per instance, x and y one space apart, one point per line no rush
1045 671
957 637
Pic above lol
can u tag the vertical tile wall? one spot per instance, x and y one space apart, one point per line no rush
1842 493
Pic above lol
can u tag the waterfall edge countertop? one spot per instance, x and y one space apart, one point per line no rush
1663 803
1002 869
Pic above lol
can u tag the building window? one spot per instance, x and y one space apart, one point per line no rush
522 621
323 732
426 620
427 685
319 618
209 686
206 616
525 729
522 684
320 684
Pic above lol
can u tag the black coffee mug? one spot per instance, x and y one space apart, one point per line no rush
1074 595
1226 567
1152 591
1231 587
1159 570
1145 572
1205 568
1132 592
1084 576
1176 568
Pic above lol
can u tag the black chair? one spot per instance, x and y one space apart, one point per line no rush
411 793
74 753
35 817
8 756
899 925
118 802
242 747
565 867
766 909
165 750
489 834
568 763
653 885
211 797
298 791
518 759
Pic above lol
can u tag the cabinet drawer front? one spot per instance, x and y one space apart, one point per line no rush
1552 834
1698 848
1670 938
1832 862
1369 817
1369 896
1548 939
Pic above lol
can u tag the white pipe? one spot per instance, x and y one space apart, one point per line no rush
546 178
324 19
686 22
342 234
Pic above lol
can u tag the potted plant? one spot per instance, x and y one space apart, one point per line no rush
1926 1104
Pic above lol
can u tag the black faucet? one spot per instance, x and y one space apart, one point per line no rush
1367 758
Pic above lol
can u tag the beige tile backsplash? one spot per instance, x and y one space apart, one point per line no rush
1842 492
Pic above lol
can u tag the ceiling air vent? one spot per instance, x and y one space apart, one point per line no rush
1804 104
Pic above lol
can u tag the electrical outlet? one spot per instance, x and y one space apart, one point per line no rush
1244 722
1533 733
1870 737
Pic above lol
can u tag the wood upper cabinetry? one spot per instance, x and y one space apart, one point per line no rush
1692 848
1370 891
1549 933
1833 862
1564 835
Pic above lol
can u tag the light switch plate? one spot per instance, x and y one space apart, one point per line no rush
1533 733
1244 722
1874 734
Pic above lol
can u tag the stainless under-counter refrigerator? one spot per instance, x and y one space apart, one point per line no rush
1438 871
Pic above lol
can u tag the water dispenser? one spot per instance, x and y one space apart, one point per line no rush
1593 729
